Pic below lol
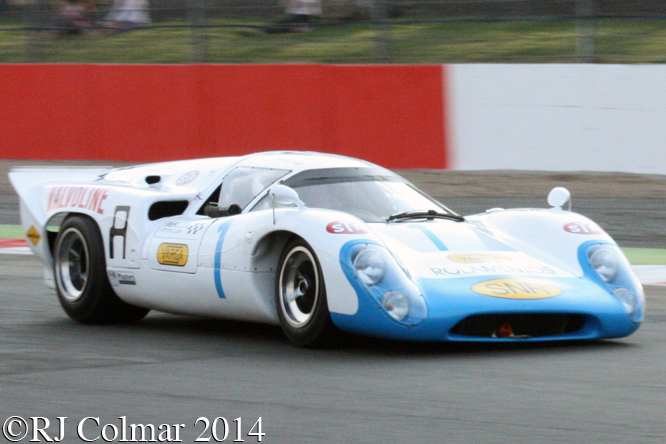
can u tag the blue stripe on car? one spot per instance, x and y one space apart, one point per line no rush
222 231
433 238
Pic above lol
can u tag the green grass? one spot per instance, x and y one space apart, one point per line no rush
11 232
645 256
425 41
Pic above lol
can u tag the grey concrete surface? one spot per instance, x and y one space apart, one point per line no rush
174 370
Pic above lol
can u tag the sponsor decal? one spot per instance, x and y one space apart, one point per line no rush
33 235
339 227
474 258
195 228
172 254
121 278
126 278
190 229
187 178
582 228
171 227
517 289
464 271
87 198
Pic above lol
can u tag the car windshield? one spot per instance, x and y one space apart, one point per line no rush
371 194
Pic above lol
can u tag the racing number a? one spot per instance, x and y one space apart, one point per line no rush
119 228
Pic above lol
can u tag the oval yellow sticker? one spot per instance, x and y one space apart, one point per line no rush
172 254
517 289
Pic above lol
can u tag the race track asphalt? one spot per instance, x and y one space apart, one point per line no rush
173 370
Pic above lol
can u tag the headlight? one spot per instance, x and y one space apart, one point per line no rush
370 266
371 269
605 263
396 304
614 270
630 303
626 298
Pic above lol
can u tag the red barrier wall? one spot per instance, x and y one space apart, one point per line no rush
391 115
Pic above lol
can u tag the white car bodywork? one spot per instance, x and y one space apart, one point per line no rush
163 252
120 201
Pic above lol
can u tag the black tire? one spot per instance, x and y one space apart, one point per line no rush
300 297
83 287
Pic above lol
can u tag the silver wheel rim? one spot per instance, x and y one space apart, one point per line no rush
299 287
72 264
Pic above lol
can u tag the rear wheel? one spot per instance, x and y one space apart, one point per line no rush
80 275
301 296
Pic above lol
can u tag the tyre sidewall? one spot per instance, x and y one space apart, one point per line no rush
97 303
316 331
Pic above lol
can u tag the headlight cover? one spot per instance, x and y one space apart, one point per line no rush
387 284
605 262
370 266
613 269
396 305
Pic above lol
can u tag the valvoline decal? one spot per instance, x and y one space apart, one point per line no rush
340 227
88 198
583 228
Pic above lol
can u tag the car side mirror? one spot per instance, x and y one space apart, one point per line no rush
557 197
282 195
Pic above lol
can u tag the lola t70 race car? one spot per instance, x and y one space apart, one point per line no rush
320 243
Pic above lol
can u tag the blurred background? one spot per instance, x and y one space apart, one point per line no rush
333 31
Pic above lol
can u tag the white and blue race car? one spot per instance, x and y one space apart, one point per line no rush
320 243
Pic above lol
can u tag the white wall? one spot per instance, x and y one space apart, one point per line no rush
563 117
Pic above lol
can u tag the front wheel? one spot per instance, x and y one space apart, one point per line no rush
80 275
301 296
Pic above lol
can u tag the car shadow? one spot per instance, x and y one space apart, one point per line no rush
356 344
196 332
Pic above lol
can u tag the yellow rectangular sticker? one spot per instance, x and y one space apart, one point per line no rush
172 254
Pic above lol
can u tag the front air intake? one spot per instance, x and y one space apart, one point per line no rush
517 325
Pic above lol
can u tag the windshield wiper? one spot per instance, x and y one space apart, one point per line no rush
425 214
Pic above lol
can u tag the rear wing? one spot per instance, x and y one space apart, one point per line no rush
30 183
